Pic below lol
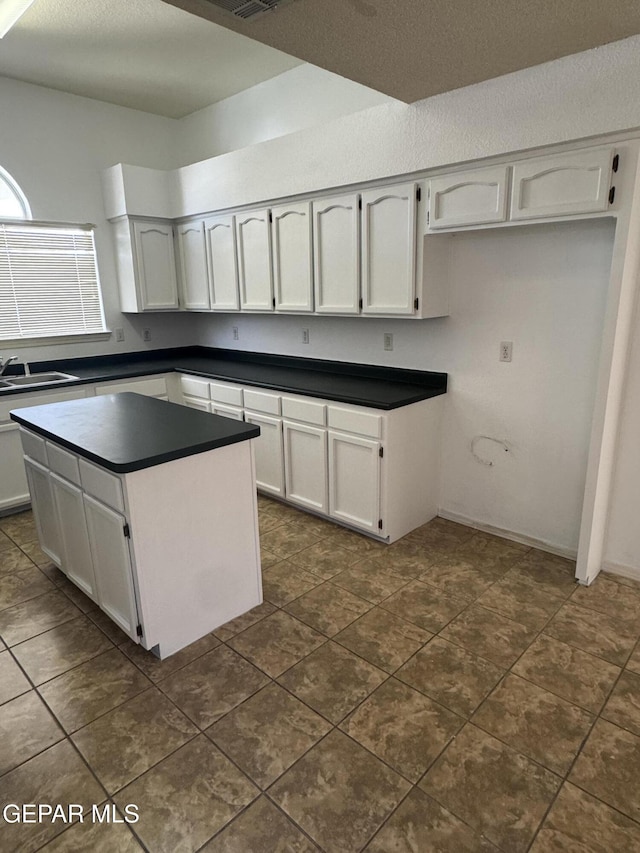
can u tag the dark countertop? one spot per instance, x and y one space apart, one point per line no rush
359 384
127 432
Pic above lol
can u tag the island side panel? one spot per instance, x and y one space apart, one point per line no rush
194 543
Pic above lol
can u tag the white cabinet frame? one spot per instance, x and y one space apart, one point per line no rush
292 257
222 262
336 254
194 277
253 237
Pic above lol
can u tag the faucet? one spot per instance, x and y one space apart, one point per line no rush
5 364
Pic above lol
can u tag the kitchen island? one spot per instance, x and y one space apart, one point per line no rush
150 508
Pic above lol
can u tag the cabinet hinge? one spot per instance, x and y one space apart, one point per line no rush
416 303
360 303
615 163
359 202
612 194
379 524
273 302
139 630
126 530
381 452
270 216
419 194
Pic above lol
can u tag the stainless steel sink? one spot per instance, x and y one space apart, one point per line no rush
34 379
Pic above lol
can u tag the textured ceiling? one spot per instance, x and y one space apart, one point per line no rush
411 49
143 54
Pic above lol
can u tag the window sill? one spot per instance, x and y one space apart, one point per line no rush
55 339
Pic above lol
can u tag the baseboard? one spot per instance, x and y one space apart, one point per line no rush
541 544
623 571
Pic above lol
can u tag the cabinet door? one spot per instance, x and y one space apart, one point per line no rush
112 565
389 250
194 278
336 254
74 538
254 261
14 489
354 480
305 465
44 509
155 265
468 198
222 260
561 185
292 266
268 453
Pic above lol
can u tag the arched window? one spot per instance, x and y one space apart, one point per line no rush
13 202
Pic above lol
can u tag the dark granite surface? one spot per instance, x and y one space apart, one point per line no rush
126 432
346 382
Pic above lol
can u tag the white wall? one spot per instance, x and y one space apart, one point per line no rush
305 96
55 146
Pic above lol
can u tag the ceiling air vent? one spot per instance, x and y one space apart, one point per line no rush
248 8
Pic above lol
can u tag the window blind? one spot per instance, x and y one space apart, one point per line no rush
48 281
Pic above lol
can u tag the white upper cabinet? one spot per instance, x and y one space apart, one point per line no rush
155 265
194 278
468 198
222 261
563 184
254 260
389 249
336 227
292 257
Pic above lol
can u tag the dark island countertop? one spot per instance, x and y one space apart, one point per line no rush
127 432
346 382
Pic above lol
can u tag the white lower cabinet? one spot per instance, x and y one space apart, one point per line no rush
75 552
305 465
269 453
44 509
354 481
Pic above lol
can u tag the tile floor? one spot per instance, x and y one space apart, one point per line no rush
451 692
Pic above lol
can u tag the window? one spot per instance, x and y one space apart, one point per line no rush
49 286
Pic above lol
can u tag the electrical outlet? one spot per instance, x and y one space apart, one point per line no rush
119 335
236 334
388 341
146 334
305 336
506 350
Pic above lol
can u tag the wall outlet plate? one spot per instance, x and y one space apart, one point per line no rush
305 336
119 335
235 333
146 334
388 341
506 350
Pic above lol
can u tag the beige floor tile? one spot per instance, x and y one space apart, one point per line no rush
339 793
408 562
494 789
596 633
187 798
13 682
267 733
453 676
404 728
521 602
21 586
623 707
107 626
284 582
578 823
212 685
277 642
60 649
156 669
325 559
546 577
96 837
425 605
634 661
489 635
576 676
383 639
420 825
460 578
369 582
328 608
332 681
246 620
288 539
267 522
356 542
607 596
261 828
12 559
85 693
609 768
35 553
267 559
536 723
132 738
26 620
26 728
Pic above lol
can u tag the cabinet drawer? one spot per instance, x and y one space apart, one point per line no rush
21 401
261 401
102 485
196 403
194 387
63 463
224 392
34 446
307 411
226 411
362 423
148 387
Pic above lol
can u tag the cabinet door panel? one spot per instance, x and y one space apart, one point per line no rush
112 565
291 238
156 265
268 453
305 465
336 227
14 489
74 537
44 509
194 279
389 250
222 260
354 481
468 198
254 261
